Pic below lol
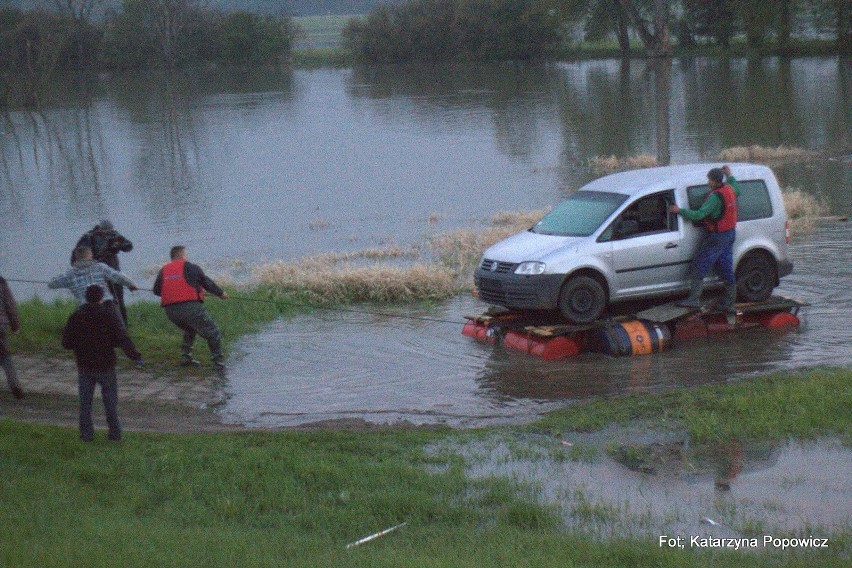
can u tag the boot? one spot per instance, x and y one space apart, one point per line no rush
730 301
694 298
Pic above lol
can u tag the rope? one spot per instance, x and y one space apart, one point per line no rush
279 303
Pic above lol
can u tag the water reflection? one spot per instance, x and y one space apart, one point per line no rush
661 486
515 98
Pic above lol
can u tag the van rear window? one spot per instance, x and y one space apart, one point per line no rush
752 203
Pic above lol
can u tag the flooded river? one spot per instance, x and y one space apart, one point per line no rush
342 365
279 165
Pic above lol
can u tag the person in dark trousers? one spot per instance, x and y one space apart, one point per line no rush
93 332
8 320
181 286
105 243
718 215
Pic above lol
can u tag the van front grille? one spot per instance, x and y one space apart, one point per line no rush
498 267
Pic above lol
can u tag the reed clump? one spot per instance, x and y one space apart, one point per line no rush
763 154
803 209
518 220
460 250
610 164
323 282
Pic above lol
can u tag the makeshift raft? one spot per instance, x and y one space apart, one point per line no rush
648 331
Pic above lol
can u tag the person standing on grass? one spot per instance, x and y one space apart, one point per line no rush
106 243
93 332
85 272
8 319
181 285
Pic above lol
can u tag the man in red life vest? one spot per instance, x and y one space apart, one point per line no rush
181 285
718 214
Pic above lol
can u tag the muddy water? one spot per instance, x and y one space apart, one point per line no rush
267 165
751 491
343 365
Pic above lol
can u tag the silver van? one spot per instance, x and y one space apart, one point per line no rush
615 240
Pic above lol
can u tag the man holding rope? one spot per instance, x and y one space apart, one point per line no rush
85 272
181 285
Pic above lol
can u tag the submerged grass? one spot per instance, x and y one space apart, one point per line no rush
764 154
297 498
610 164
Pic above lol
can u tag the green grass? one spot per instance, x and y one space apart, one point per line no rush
323 29
801 405
285 499
327 29
316 57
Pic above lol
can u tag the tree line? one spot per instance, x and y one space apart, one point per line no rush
438 30
67 35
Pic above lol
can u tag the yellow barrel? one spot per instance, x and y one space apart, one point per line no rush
635 337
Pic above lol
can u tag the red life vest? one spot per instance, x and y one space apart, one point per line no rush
175 287
728 220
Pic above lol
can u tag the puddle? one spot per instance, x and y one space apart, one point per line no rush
797 488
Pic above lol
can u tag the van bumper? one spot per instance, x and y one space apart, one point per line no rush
785 267
538 292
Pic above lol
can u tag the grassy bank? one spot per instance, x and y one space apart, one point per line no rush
801 405
157 338
297 498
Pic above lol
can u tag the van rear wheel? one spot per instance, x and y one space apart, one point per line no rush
582 299
756 278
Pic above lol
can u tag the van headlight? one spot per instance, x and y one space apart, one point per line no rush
530 267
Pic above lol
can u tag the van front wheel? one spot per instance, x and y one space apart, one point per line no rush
582 299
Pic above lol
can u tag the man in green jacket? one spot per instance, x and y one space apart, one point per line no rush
718 215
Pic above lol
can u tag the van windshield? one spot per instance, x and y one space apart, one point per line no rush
580 214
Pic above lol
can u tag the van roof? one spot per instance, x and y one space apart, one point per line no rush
648 180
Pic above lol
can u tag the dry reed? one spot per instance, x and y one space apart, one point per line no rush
318 224
332 284
519 220
611 164
764 154
385 253
803 209
460 250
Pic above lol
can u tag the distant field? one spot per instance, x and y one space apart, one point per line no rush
321 31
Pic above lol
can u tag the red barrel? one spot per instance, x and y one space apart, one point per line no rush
548 348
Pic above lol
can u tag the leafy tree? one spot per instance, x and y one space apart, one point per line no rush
443 30
653 29
711 18
600 19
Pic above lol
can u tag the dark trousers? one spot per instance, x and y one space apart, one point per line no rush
117 291
716 250
193 319
6 360
109 391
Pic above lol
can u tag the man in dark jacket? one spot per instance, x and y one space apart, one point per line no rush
8 319
106 243
93 332
181 285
